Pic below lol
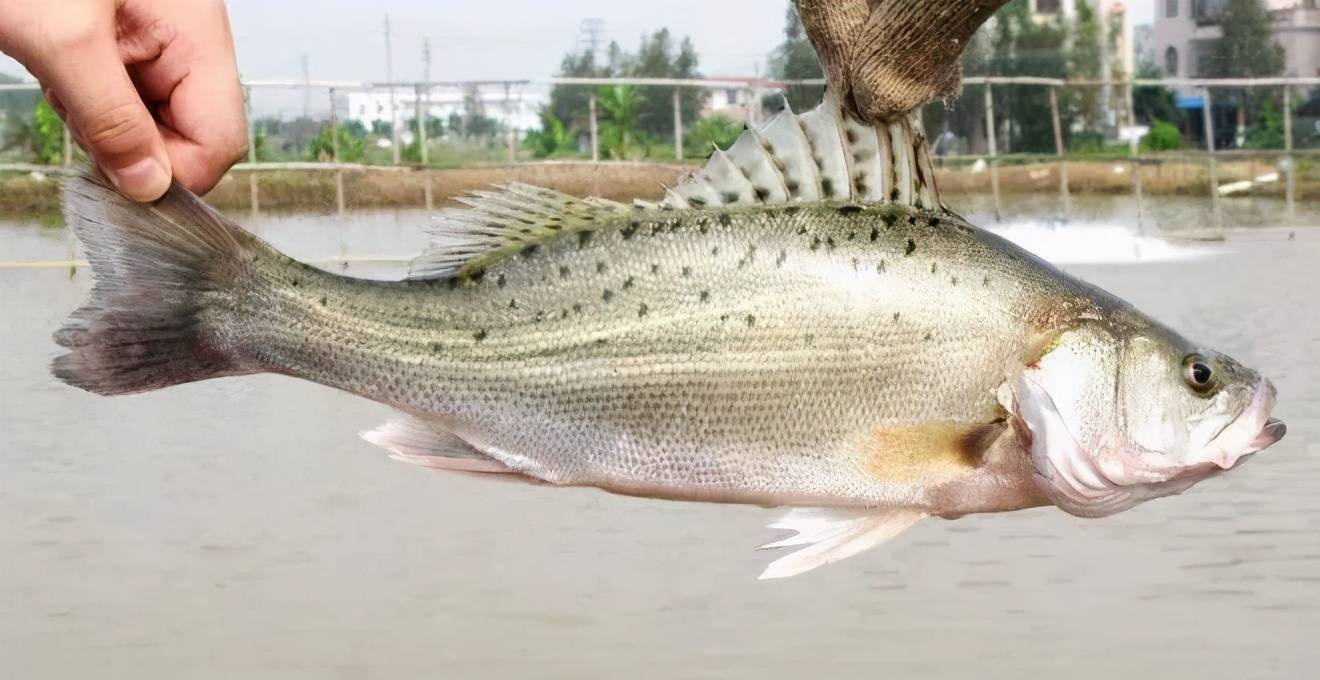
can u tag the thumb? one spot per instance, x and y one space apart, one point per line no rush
106 113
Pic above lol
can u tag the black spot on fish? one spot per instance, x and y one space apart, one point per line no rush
563 314
643 310
703 225
896 315
911 248
540 316
513 303
729 197
724 318
323 301
851 136
602 341
657 228
628 283
564 271
601 267
437 348
849 210
715 252
607 295
500 281
479 335
954 280
584 238
577 308
829 241
687 272
792 209
827 187
478 275
815 243
724 219
631 230
889 218
697 201
655 268
751 320
875 234
880 268
893 195
294 282
528 251
783 257
928 337
792 186
809 340
855 263
705 296
932 222
985 281
762 193
933 267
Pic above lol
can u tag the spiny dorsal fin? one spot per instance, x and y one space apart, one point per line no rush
496 223
824 153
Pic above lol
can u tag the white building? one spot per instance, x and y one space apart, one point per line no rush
1185 31
521 110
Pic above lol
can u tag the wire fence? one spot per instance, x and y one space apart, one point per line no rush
995 122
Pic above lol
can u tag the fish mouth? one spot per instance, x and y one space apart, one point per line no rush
1269 436
1252 432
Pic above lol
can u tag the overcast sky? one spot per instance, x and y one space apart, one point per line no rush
486 39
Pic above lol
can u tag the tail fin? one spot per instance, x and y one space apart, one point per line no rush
143 328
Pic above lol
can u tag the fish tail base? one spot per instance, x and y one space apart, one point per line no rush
155 266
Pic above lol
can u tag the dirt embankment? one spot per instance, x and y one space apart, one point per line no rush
25 196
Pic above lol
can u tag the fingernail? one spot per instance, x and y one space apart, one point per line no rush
145 180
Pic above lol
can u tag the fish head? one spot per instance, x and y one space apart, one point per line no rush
1115 415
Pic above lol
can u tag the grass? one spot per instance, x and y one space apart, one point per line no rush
23 196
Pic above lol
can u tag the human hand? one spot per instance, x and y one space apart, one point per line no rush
149 87
884 58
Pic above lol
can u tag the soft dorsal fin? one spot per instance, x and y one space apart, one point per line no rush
825 153
495 223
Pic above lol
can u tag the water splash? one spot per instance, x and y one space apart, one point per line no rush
1100 243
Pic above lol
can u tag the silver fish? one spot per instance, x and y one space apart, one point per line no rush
865 362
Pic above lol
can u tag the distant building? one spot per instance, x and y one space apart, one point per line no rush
1185 32
741 102
521 111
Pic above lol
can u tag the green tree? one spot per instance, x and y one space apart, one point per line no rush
1084 61
352 148
568 103
1163 136
795 59
1247 49
48 134
1151 104
656 58
621 106
705 134
552 139
1022 46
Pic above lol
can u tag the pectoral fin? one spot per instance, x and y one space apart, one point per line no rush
833 534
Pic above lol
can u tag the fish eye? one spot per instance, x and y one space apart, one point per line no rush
1197 372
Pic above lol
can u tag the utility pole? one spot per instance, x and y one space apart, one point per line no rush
591 33
307 86
389 76
423 99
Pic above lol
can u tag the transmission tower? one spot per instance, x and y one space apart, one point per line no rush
591 34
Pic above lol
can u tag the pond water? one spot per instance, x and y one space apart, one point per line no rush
240 527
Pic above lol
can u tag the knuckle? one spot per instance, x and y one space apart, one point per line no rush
116 129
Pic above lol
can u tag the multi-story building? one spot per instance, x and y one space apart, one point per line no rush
1186 30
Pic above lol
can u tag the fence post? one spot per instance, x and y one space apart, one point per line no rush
1207 117
334 146
1290 186
508 126
678 125
420 109
595 132
990 138
1059 151
254 199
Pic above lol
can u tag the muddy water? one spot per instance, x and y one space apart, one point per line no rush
239 528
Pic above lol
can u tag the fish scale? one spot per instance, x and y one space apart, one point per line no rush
868 361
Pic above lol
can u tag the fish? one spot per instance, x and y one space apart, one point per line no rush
800 324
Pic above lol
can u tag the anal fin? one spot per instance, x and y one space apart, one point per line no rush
414 440
833 534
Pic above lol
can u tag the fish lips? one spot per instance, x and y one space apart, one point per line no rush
1252 432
